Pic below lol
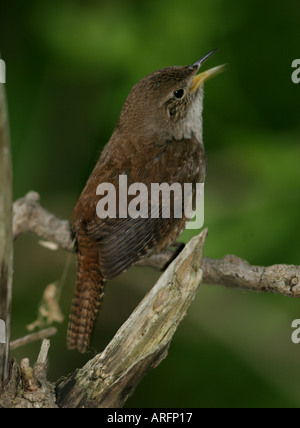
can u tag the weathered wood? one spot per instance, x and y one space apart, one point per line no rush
6 240
28 387
234 272
33 337
142 342
230 271
29 216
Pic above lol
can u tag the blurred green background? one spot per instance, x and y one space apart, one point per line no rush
70 66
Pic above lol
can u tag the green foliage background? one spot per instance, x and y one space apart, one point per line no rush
70 66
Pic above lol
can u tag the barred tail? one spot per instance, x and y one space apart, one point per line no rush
88 294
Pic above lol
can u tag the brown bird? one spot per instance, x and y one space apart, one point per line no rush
158 139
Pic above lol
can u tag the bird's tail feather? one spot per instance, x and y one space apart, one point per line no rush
88 294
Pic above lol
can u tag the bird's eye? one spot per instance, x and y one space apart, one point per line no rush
179 93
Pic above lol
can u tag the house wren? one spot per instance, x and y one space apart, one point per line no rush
158 139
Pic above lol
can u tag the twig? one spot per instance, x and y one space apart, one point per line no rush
33 337
30 383
41 366
42 358
29 216
234 272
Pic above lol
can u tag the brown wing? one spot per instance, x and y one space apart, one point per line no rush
122 242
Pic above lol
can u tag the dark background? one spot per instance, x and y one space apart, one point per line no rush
70 66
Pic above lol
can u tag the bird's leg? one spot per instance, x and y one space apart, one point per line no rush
178 247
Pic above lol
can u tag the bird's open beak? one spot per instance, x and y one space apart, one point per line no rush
199 79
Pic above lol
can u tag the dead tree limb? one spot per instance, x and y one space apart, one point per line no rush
108 379
28 386
29 216
6 240
143 340
33 337
234 272
230 271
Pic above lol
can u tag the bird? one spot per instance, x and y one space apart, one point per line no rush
157 139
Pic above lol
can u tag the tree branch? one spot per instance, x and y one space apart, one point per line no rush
109 378
29 216
33 337
6 240
143 340
234 272
230 271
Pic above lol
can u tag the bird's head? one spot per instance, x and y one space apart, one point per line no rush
167 103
